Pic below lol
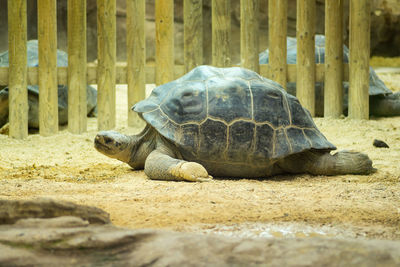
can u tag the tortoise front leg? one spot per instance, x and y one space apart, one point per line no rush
161 166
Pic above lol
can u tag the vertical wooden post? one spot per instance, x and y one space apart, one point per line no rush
249 10
77 107
48 88
221 28
193 33
305 34
136 56
17 77
277 20
106 73
333 96
164 41
359 59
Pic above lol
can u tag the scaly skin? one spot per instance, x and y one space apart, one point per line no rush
150 151
161 160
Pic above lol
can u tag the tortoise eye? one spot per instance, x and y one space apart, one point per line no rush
108 140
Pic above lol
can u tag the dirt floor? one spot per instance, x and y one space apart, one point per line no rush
67 167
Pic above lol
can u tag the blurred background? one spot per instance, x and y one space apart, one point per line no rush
385 28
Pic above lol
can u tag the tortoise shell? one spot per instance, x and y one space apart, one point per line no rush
230 115
33 90
33 61
376 85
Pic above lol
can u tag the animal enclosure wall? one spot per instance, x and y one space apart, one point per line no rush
107 72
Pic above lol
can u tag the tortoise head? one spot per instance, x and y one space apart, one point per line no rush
132 149
111 143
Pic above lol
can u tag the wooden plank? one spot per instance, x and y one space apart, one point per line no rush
265 70
106 34
292 72
221 28
17 78
192 33
164 41
47 39
136 57
359 59
121 73
305 34
333 96
3 76
33 75
277 19
249 10
77 107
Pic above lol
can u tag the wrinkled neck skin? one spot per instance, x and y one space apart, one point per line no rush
131 149
138 149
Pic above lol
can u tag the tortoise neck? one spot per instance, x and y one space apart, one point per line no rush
141 146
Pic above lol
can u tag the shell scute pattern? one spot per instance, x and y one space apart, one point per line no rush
33 61
156 118
172 131
212 141
376 85
230 115
33 56
282 144
265 141
228 94
237 72
156 98
297 138
241 138
269 103
186 103
300 117
190 142
291 44
200 73
315 138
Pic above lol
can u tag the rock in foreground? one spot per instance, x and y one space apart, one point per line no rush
13 210
74 241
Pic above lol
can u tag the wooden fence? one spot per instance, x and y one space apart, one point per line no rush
107 72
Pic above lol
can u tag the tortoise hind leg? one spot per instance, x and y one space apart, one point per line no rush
348 162
323 163
161 166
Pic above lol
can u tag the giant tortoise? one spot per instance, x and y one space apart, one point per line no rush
383 102
33 90
226 122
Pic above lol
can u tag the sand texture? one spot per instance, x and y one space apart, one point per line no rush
67 167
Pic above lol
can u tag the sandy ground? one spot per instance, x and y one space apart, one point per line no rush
67 167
